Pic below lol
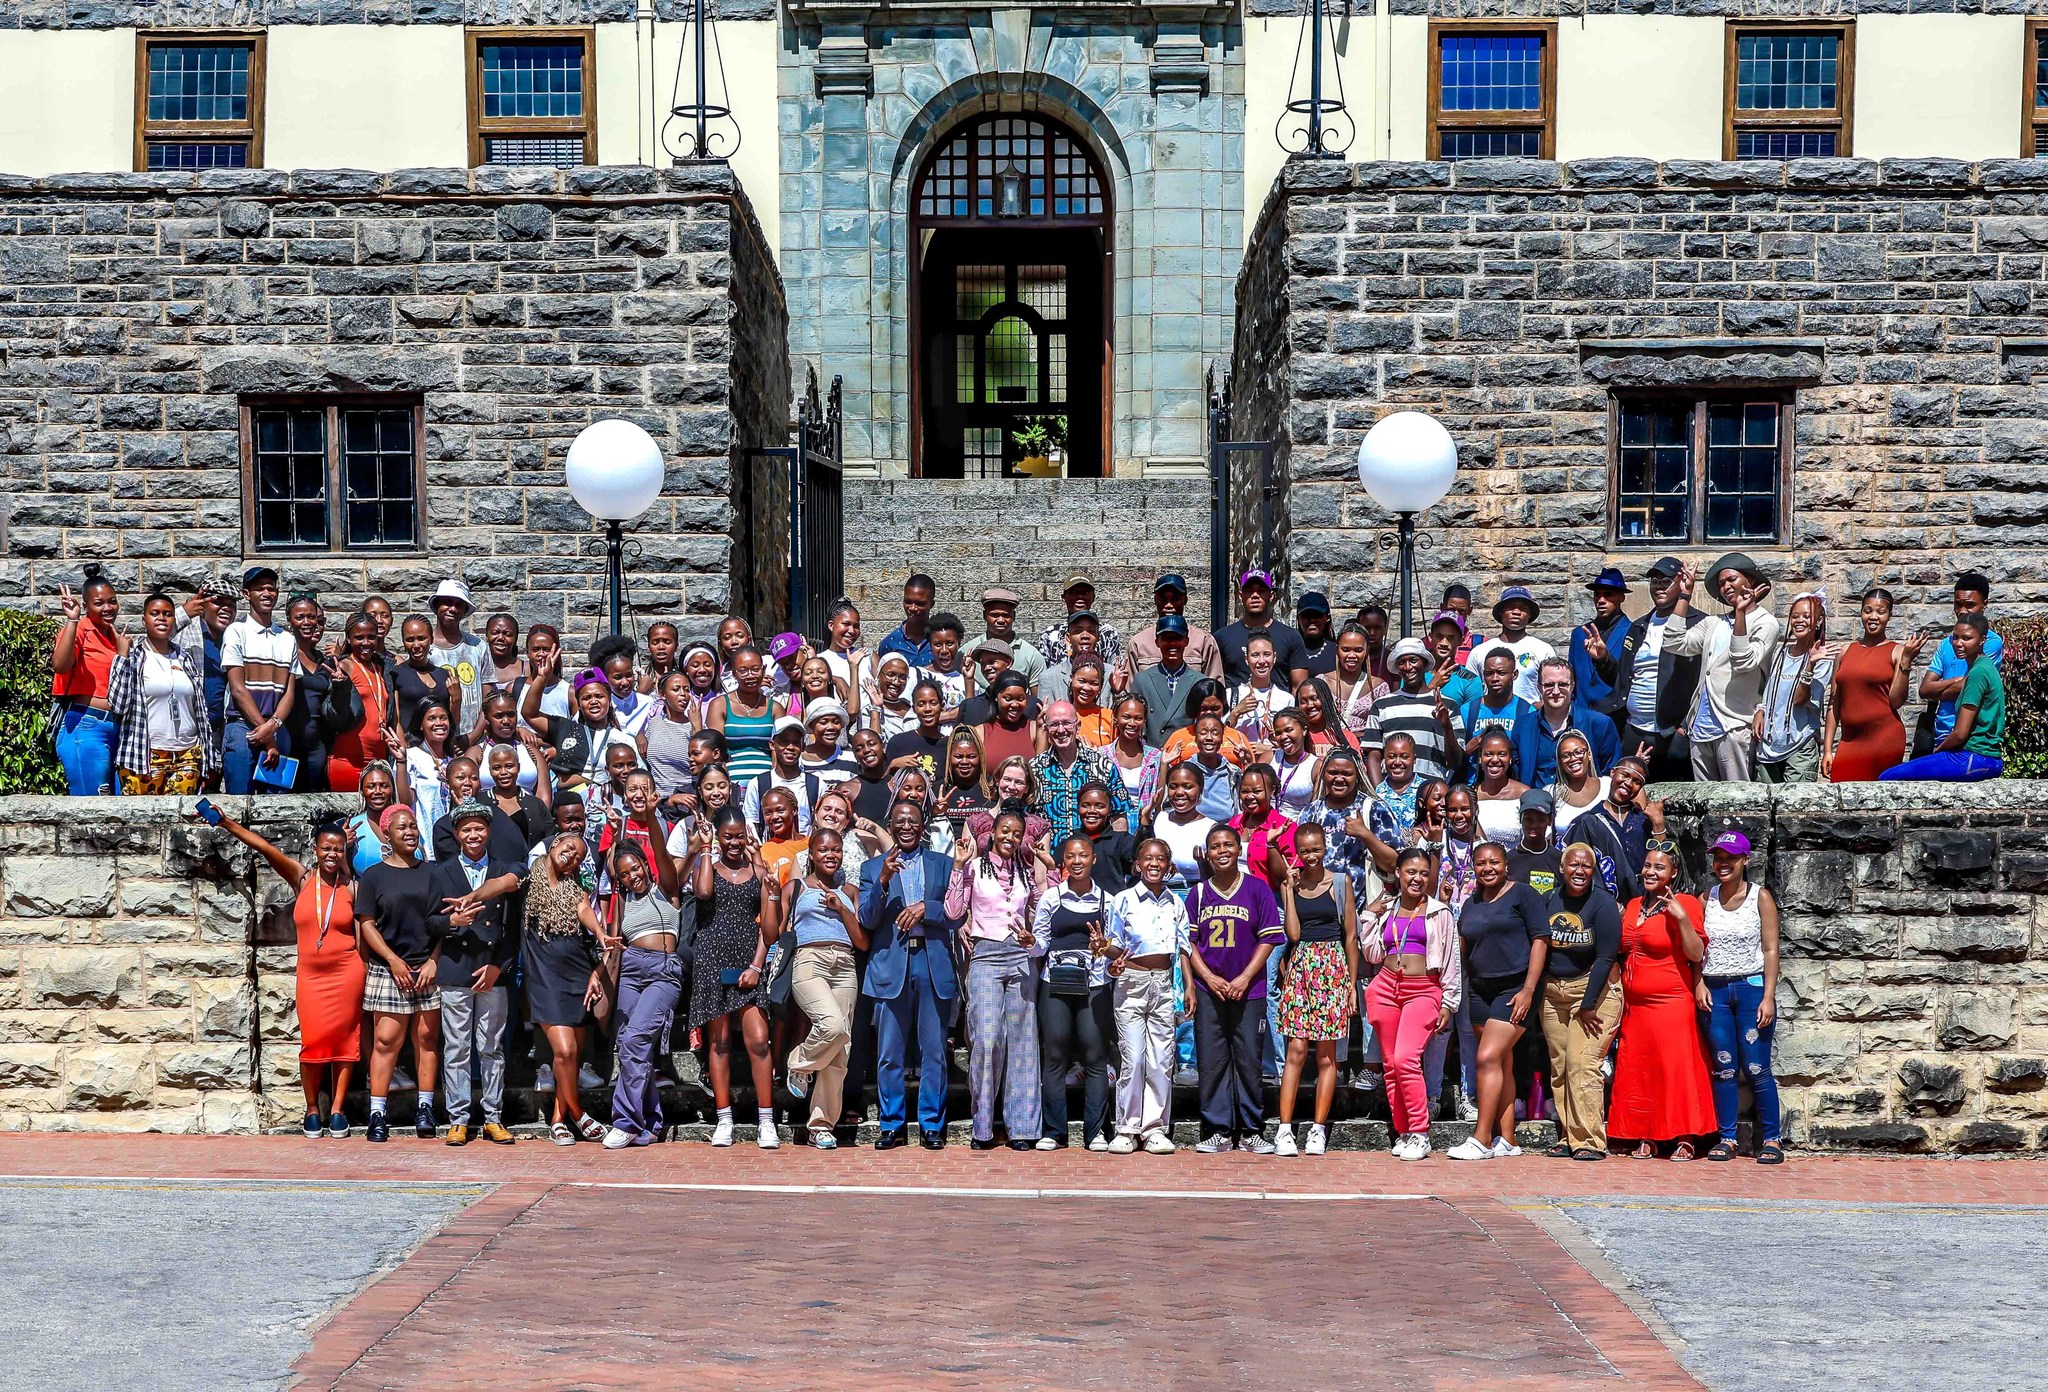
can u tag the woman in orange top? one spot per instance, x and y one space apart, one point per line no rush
351 751
330 966
1084 689
1208 697
1870 685
88 735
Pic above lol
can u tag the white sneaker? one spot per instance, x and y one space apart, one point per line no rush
1283 1142
721 1134
1468 1110
1505 1149
615 1139
1098 1145
1257 1143
1048 1143
767 1137
1414 1147
587 1079
1470 1149
1215 1145
1318 1138
1122 1145
1366 1080
1159 1143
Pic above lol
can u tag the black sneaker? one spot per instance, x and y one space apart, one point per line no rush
379 1129
423 1124
313 1126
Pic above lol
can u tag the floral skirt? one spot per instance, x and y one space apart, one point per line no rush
1312 992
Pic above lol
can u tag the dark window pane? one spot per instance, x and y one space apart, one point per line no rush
291 478
2040 75
377 452
198 82
1742 469
1653 497
311 521
539 79
186 154
535 151
1784 145
1723 516
1492 72
1760 423
1759 470
1787 72
1491 144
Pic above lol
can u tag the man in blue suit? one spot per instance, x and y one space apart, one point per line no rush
910 975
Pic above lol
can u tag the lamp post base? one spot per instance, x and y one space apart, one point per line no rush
615 573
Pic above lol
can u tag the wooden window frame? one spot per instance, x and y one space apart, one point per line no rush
1700 399
2033 119
1842 120
200 131
481 129
333 404
1440 120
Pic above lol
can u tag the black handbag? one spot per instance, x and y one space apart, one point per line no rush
342 709
1066 971
779 984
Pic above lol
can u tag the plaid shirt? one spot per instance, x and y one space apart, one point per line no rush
1059 789
128 705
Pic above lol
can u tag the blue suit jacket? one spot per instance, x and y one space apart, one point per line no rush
1536 751
888 957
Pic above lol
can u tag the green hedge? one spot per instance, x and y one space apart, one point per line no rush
27 762
2026 696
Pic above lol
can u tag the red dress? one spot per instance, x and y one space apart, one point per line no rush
330 973
1661 1088
1873 738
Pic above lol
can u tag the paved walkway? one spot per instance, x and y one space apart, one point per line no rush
683 1266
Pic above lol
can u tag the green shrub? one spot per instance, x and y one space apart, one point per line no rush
2026 696
27 762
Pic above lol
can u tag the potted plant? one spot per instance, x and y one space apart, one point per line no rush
1041 443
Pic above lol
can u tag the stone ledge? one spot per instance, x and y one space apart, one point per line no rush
486 183
1947 177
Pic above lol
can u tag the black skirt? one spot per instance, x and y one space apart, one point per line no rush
557 977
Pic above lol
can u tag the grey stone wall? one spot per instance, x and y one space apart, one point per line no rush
519 304
1913 1003
1028 534
1903 301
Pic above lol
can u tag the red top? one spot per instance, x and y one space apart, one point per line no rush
999 743
91 667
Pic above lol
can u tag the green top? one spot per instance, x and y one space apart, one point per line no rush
1984 690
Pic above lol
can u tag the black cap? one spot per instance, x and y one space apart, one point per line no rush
1314 602
1171 626
1084 616
254 575
1169 581
1665 566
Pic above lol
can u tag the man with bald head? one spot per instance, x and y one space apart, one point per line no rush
1067 766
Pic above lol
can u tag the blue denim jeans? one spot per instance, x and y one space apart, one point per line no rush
1740 1050
1959 766
238 760
86 741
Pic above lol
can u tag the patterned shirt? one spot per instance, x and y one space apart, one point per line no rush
1393 813
1053 643
1059 789
1345 854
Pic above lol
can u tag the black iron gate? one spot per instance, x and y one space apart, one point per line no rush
795 505
1240 505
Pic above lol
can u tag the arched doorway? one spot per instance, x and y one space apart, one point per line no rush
1009 221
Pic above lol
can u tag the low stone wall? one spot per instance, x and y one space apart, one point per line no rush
146 966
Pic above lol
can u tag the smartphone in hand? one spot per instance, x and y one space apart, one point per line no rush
208 813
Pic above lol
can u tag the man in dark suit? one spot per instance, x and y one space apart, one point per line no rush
1654 689
477 947
910 975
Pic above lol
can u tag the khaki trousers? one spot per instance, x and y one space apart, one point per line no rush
1575 1080
825 986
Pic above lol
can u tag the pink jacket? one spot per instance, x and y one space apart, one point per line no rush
1442 950
989 902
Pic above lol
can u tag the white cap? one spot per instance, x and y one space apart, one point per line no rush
454 589
828 706
786 722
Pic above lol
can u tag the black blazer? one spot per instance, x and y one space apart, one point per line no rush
463 950
1678 679
508 841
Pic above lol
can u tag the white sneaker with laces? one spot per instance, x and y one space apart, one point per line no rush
1214 1145
767 1137
1098 1145
721 1134
1257 1143
1468 1110
1048 1143
1123 1145
1159 1143
1318 1138
1407 1148
1283 1142
1505 1149
1470 1149
615 1139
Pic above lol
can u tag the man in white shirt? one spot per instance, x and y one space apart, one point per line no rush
1735 657
1515 611
461 654
1147 929
786 750
259 657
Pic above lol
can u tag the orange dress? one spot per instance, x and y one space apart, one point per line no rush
1873 738
330 973
1661 1088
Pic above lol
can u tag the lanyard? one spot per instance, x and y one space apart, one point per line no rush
322 910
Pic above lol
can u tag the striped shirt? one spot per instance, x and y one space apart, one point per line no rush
1414 715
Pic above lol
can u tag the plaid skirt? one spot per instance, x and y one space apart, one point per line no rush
381 993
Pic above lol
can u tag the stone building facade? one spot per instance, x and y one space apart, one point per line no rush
1895 309
144 314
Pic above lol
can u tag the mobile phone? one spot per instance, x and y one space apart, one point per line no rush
731 976
208 813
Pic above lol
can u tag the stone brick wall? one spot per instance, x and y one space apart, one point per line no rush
1913 1001
1902 301
519 305
1028 534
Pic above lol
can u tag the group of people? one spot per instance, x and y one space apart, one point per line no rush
1240 858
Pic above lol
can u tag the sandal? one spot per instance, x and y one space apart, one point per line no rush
1643 1151
1561 1151
1589 1154
1683 1151
560 1134
588 1129
1770 1153
1723 1150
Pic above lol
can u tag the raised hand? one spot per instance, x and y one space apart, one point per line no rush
1595 645
69 603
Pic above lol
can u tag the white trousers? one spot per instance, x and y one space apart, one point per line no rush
1144 1027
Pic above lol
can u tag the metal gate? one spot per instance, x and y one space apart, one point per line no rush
1240 504
795 504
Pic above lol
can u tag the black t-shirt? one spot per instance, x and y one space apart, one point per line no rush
1585 938
1319 662
1114 852
415 688
979 710
580 750
871 798
1288 652
400 899
1536 869
956 805
509 841
931 753
1497 934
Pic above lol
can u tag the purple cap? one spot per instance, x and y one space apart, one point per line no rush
1256 577
783 646
1731 843
589 676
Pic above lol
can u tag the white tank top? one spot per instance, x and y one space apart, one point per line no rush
1500 820
1186 841
1735 937
1297 785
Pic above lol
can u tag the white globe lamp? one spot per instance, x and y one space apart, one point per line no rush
1407 462
614 472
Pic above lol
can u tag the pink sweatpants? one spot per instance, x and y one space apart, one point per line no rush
1402 1011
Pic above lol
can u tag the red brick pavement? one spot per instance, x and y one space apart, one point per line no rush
557 1279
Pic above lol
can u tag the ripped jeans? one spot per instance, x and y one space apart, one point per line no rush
1739 1050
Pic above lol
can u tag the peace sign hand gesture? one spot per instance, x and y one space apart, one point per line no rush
1595 645
69 603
